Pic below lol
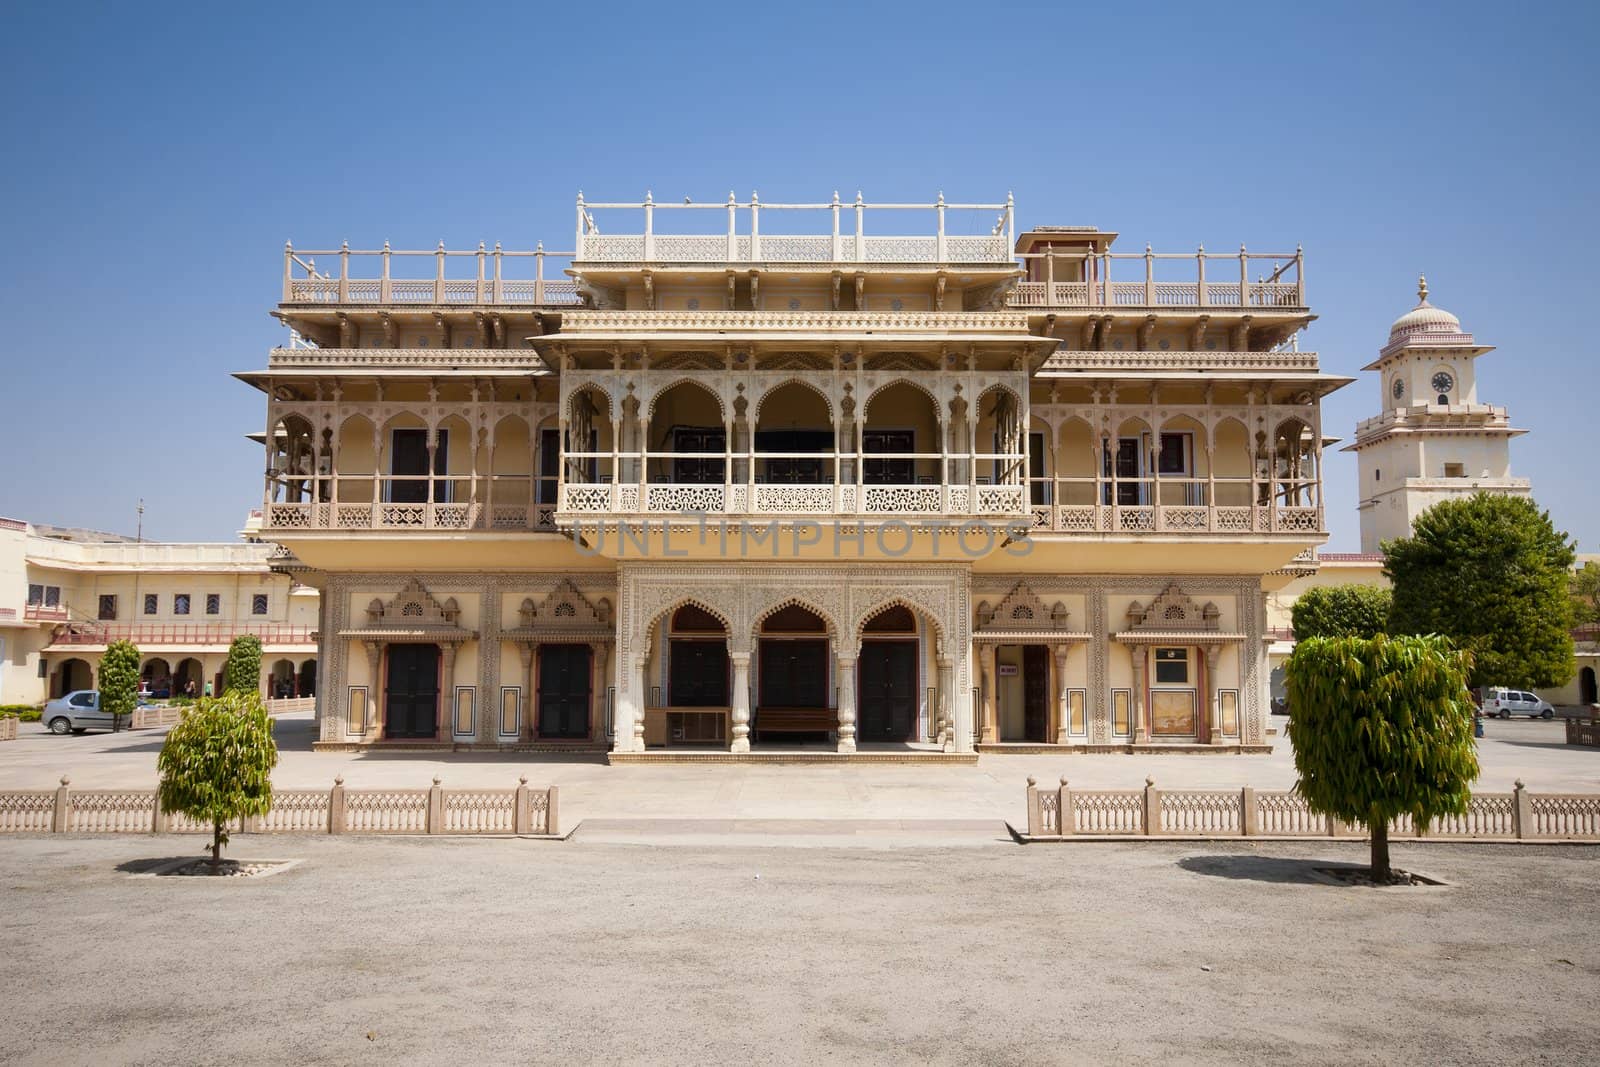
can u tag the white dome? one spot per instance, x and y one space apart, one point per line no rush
1424 318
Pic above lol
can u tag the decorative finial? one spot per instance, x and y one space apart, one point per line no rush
338 779
1422 289
437 780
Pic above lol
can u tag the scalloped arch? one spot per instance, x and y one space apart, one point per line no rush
802 383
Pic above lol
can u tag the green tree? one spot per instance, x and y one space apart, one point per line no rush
1586 595
1382 727
1341 611
243 669
216 764
1490 573
119 681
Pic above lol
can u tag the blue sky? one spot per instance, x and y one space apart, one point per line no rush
160 156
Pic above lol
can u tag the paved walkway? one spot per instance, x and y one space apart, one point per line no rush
498 951
1534 751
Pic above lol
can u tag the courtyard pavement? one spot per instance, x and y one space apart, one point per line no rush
1534 751
500 951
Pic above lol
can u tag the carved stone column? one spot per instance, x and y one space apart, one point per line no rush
600 655
1063 715
447 688
947 724
1213 713
377 708
847 700
741 701
986 658
529 703
1141 729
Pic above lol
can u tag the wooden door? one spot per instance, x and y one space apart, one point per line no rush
1035 692
698 674
564 691
411 693
888 691
794 674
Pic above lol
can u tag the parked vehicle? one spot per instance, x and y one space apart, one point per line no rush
76 712
1508 702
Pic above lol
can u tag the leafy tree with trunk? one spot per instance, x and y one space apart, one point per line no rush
1492 574
1382 728
216 764
1586 595
1341 611
119 680
243 669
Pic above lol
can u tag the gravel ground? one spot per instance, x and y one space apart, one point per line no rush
416 950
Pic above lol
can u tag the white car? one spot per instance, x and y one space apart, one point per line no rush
1508 702
76 712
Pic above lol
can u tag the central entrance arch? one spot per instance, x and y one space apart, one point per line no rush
793 675
411 692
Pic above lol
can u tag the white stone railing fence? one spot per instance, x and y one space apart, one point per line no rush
1520 815
435 810
8 728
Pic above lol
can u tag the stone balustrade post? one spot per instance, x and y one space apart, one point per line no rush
741 702
1249 817
1521 812
435 807
521 814
552 810
1152 808
58 819
158 817
336 812
1066 820
1035 810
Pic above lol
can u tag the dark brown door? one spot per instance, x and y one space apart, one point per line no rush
1035 692
888 691
699 674
794 674
564 691
409 457
411 697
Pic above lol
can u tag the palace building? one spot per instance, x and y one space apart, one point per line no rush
838 478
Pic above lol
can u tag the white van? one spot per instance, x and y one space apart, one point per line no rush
1508 702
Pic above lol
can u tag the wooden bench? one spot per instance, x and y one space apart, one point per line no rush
796 721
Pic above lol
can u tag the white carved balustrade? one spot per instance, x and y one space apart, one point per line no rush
491 279
743 242
1085 279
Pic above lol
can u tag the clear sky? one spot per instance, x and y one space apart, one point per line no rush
161 155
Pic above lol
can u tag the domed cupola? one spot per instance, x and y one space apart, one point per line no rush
1424 319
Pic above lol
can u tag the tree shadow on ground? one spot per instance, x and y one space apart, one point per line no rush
1261 868
150 866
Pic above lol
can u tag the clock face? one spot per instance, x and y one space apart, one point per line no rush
1443 382
1399 388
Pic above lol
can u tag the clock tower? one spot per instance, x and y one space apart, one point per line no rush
1434 440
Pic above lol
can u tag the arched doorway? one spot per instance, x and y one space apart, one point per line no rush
697 653
792 675
73 675
308 678
282 681
189 679
887 676
794 438
411 692
156 676
1586 687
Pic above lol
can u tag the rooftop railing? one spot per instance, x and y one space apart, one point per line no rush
501 277
1206 279
743 241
